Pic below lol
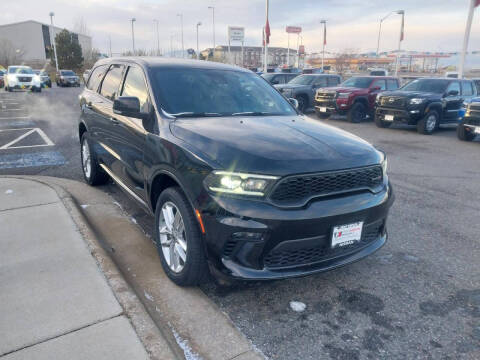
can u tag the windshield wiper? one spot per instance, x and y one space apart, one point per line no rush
253 113
195 114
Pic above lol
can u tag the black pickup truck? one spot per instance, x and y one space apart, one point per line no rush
426 103
469 127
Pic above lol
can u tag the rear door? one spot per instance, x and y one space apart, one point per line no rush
372 95
453 103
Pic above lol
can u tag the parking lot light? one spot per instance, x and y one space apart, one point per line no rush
133 36
52 14
198 51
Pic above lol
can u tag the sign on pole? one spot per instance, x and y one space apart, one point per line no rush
293 29
236 33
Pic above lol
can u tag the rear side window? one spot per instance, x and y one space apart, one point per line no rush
392 84
477 84
453 86
320 81
96 77
111 82
135 86
333 80
380 83
467 88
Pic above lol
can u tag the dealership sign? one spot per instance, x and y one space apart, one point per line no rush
293 29
236 33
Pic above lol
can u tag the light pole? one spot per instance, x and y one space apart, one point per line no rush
133 36
181 25
324 22
158 38
213 26
399 12
198 50
52 14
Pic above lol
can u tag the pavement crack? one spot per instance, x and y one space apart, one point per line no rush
29 206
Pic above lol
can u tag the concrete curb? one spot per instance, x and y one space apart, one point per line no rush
147 331
186 317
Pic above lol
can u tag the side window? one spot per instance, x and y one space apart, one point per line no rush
96 77
111 82
381 83
332 81
467 88
135 86
321 81
453 86
392 84
477 84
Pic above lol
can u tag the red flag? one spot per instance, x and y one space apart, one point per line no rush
267 32
401 30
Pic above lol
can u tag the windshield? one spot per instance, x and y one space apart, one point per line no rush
269 76
303 80
357 82
200 92
427 85
67 73
19 70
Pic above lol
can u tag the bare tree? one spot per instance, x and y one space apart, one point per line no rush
344 60
9 54
90 57
80 26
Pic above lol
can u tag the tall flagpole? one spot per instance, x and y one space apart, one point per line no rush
324 22
461 66
267 35
402 26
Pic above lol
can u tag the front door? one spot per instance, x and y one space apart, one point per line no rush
453 103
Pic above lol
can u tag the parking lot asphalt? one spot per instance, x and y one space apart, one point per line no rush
416 298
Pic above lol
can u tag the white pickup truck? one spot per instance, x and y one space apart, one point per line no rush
22 78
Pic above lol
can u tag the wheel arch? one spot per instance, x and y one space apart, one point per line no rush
162 180
82 128
434 106
361 99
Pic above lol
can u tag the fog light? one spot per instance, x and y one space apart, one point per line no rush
414 111
250 236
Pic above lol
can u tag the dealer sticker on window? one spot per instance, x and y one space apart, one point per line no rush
344 235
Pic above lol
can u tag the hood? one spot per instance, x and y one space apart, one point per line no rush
411 94
343 89
281 87
275 145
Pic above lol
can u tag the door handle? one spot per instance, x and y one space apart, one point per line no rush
114 121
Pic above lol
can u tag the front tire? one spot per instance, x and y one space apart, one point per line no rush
302 104
178 239
357 113
92 171
381 123
429 123
463 134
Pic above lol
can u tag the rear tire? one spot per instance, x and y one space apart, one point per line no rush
429 123
357 113
92 171
463 134
180 240
381 123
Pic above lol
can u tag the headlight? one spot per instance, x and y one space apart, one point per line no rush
384 163
62 78
239 183
343 95
416 101
12 79
36 78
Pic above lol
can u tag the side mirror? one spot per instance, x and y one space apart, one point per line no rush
452 93
128 106
375 88
294 102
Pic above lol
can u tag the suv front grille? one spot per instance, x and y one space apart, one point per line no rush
311 255
294 190
24 79
392 101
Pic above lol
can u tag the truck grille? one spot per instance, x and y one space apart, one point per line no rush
392 101
311 255
24 79
473 120
295 190
325 96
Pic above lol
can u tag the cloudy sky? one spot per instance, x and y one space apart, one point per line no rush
430 25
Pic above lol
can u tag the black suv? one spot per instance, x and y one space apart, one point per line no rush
279 78
238 181
304 87
469 127
426 103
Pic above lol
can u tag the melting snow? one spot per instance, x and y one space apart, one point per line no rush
133 220
148 296
9 191
297 306
187 350
84 206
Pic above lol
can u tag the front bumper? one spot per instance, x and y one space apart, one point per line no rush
472 123
410 115
332 106
25 86
291 242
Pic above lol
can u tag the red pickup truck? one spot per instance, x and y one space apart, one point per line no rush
354 97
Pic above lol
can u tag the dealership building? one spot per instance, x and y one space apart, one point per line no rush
35 39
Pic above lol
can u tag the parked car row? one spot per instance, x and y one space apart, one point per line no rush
21 77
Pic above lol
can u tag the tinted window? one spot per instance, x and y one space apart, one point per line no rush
358 82
477 84
290 77
332 81
303 80
19 70
111 82
96 77
467 88
378 73
392 84
320 81
67 73
437 86
135 86
209 92
454 86
381 84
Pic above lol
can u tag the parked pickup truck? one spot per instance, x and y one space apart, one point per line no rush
469 127
426 103
354 97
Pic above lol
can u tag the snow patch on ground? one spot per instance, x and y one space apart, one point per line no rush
297 306
133 220
148 296
84 206
9 191
187 350
118 204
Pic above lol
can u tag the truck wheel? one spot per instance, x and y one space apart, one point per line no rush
178 239
357 113
322 115
429 123
92 172
463 134
380 123
302 103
